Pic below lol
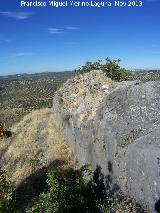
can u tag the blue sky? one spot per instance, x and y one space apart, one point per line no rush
36 39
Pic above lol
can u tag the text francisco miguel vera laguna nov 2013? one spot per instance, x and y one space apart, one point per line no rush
56 4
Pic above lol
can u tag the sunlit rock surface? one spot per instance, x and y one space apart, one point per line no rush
116 126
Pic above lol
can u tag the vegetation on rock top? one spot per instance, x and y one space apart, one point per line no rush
111 69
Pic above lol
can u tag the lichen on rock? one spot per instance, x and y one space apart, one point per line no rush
82 95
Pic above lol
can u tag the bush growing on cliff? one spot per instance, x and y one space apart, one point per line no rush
68 192
111 69
6 193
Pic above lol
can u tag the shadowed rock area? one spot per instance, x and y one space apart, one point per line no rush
116 122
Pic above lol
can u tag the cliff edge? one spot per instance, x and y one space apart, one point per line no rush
115 125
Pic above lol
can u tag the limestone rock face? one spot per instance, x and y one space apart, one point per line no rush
116 126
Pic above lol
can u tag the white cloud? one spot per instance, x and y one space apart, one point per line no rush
22 54
16 15
55 30
14 55
72 28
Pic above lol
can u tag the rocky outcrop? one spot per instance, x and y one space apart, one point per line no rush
116 126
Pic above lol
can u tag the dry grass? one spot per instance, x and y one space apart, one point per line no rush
36 142
9 115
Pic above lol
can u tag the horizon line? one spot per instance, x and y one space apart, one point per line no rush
61 71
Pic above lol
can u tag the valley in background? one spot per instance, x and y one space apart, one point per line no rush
20 94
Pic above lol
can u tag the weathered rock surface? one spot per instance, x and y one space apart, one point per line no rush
116 126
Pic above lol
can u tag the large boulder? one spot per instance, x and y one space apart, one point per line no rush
116 126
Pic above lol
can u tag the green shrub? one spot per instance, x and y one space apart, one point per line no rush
6 194
68 192
111 69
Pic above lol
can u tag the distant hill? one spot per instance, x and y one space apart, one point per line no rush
25 76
